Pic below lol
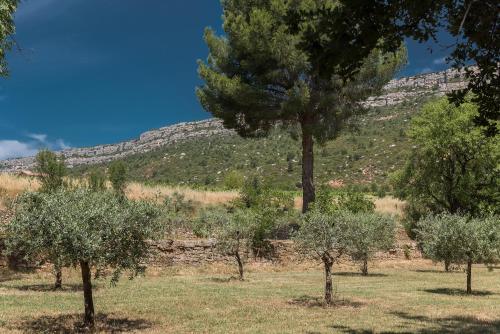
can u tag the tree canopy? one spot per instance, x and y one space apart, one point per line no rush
460 239
385 24
95 230
258 76
454 165
7 29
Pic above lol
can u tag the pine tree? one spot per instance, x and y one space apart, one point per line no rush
258 76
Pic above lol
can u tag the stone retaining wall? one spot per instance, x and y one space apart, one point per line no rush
203 251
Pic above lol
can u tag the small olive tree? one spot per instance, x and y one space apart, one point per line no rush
367 233
322 235
93 230
234 235
461 240
233 230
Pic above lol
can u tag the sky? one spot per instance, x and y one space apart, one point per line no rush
94 72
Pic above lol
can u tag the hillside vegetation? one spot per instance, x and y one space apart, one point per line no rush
364 156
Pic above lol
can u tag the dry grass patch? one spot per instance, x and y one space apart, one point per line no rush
140 191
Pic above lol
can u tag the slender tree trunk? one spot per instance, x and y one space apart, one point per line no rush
328 281
469 276
58 283
364 268
87 294
307 168
240 265
446 265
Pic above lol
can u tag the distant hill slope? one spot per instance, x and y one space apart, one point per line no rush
362 157
202 153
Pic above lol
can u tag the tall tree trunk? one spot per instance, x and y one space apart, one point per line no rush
364 268
58 282
87 294
446 265
469 276
328 281
308 192
240 265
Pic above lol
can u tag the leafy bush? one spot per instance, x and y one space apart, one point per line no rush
461 240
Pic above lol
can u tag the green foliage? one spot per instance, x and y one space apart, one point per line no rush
7 29
259 76
453 166
209 220
97 180
234 180
66 227
51 169
329 200
355 202
165 166
178 204
455 238
117 173
367 233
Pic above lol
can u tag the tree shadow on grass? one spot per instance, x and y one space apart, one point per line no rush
458 292
418 324
72 323
8 275
50 288
311 301
355 274
224 279
436 271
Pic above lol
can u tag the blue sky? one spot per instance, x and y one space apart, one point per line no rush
93 72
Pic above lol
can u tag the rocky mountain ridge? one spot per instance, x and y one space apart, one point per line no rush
396 92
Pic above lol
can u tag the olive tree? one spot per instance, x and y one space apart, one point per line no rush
322 235
460 239
93 230
234 231
234 234
367 233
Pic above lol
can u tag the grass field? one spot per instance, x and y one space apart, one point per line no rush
398 297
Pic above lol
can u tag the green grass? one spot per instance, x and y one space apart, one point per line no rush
399 297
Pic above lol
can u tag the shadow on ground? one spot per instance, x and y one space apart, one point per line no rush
311 301
224 279
354 274
49 288
426 325
458 292
72 323
435 271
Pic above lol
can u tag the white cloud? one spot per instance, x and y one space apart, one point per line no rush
42 138
439 61
17 149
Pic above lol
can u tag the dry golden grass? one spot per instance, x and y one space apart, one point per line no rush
389 205
12 185
140 191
